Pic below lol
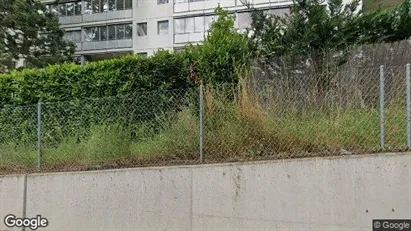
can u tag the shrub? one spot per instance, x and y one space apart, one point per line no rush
97 79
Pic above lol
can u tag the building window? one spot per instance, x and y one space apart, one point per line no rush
120 5
70 9
110 32
193 24
54 9
111 5
179 25
73 36
142 29
87 7
103 5
65 9
142 54
96 34
62 10
129 31
189 27
103 33
162 27
96 6
88 34
78 6
120 32
90 7
162 2
128 4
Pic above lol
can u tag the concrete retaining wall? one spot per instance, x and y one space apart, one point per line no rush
11 197
342 193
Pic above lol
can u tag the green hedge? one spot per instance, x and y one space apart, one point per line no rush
132 91
98 79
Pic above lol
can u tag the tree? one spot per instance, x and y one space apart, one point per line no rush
223 52
29 32
315 38
316 32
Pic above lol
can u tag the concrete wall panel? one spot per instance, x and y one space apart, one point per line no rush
336 193
155 199
11 198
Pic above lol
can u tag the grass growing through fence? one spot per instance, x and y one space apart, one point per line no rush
236 129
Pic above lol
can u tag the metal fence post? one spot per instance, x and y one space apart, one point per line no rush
201 111
408 85
382 107
39 125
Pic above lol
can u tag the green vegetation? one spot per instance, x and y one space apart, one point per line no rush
100 79
235 130
29 31
138 111
324 37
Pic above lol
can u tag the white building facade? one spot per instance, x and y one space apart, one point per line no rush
103 29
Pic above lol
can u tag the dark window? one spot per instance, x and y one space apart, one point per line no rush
111 32
103 33
78 8
70 8
103 5
128 4
62 10
54 9
120 4
88 34
111 5
96 6
129 31
162 1
120 31
95 33
87 7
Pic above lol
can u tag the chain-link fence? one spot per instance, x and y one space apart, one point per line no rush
287 115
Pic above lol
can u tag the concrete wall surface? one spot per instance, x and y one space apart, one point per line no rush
11 198
336 193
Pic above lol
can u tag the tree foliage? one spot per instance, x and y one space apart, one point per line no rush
313 31
222 53
106 78
28 31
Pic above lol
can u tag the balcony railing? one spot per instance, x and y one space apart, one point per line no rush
95 17
107 45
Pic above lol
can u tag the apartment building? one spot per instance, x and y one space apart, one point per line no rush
103 29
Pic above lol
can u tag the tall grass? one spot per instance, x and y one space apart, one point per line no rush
237 127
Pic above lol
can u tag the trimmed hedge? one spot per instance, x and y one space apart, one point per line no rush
98 79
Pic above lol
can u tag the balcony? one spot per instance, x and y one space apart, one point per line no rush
195 6
192 38
107 45
109 15
70 20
